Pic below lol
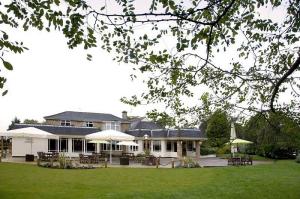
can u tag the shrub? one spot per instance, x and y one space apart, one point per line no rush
208 150
224 150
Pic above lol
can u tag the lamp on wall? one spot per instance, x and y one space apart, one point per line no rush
146 141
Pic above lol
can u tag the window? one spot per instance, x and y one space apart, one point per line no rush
134 148
113 126
65 123
169 146
89 124
77 145
103 147
90 147
175 146
63 145
189 145
156 145
106 147
52 145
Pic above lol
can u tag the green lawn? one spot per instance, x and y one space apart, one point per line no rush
276 180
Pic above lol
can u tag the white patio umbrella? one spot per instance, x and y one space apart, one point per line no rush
98 142
110 135
29 132
128 143
232 137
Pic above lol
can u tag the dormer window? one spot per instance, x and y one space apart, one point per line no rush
89 124
65 123
113 126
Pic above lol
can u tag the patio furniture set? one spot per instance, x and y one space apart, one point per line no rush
244 160
125 158
48 157
95 158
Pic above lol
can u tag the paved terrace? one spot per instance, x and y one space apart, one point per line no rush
205 161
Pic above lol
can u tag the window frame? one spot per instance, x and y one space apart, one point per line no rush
113 125
89 124
156 143
67 144
82 145
65 123
134 148
49 145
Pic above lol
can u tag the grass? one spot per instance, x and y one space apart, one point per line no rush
276 180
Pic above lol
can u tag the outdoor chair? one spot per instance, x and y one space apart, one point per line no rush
230 161
83 159
55 156
249 160
94 159
42 156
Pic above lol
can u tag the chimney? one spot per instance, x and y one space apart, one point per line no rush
124 115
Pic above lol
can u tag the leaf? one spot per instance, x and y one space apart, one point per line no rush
89 57
57 2
5 36
7 65
4 93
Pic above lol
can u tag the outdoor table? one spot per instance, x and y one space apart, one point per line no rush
130 155
236 161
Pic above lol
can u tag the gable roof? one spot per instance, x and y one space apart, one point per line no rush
60 130
168 133
146 125
84 116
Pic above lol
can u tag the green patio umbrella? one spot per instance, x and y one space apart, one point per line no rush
240 141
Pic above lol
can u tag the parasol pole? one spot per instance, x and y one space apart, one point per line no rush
110 151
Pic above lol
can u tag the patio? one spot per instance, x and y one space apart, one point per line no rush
205 161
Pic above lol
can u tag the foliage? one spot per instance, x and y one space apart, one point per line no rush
147 152
206 149
218 128
30 121
13 122
224 150
274 135
259 66
188 162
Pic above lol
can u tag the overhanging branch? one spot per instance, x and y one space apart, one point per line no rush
281 80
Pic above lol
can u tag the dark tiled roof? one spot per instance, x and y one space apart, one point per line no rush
60 130
84 116
146 125
165 133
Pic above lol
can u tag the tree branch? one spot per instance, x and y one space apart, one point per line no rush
281 80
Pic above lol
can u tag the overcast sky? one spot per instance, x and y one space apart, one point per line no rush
50 78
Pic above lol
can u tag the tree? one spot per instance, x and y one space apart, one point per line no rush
13 122
218 128
260 69
30 121
275 136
